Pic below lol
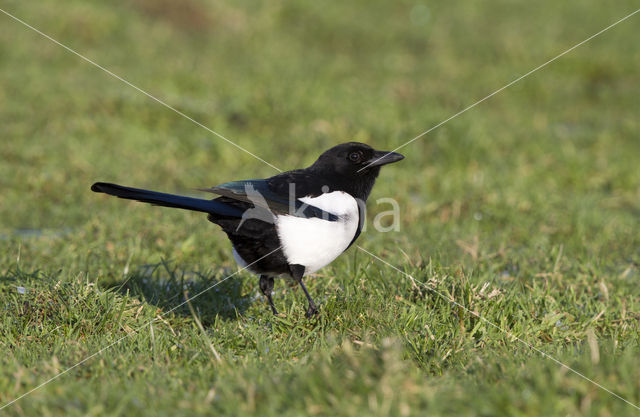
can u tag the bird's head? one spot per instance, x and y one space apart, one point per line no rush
354 166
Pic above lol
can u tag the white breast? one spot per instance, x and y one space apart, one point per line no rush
314 242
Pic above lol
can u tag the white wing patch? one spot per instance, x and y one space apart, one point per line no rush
314 242
241 262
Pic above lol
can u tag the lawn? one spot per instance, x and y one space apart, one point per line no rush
519 219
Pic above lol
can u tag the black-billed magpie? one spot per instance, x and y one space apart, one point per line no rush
302 219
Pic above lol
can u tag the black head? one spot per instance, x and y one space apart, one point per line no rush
353 167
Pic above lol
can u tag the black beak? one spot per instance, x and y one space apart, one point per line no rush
383 158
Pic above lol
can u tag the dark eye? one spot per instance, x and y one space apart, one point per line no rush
354 156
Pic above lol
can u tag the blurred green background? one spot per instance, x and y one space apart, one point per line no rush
534 193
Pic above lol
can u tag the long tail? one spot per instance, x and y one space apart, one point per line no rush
167 200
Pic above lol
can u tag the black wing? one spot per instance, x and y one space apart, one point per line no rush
274 194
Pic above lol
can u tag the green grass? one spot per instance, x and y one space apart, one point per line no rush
526 209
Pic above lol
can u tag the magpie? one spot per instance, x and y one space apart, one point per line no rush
293 223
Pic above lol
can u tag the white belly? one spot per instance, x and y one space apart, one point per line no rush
314 243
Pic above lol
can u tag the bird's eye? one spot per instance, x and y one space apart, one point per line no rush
354 156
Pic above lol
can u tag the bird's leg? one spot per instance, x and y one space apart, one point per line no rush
266 286
312 310
297 271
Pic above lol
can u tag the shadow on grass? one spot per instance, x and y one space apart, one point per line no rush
210 294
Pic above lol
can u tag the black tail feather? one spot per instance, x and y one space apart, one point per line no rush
167 200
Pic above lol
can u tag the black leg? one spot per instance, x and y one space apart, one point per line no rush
297 271
266 286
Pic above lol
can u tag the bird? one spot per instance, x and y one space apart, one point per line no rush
291 224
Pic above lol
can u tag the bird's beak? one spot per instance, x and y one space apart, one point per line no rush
383 158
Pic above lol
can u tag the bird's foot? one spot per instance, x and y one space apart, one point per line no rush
312 311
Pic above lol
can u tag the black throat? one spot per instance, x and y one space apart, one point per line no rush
358 186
